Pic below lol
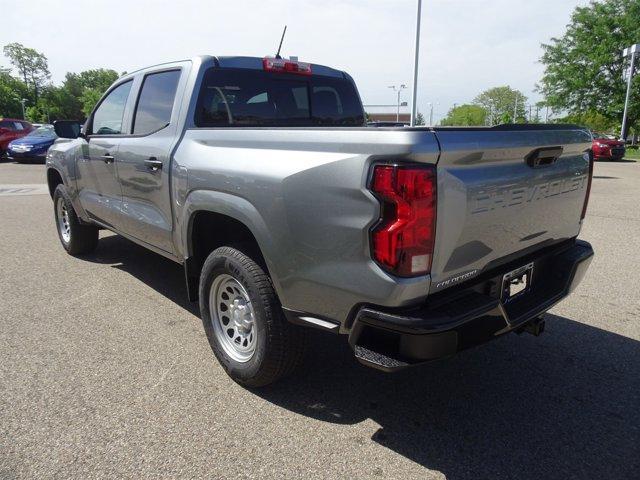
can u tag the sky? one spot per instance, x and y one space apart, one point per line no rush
466 46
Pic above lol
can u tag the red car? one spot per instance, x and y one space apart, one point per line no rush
10 129
606 147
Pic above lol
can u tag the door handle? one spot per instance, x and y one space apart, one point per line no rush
107 158
541 157
153 164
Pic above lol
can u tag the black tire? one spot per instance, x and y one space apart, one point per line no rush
82 238
279 344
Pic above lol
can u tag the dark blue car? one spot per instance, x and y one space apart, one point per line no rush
33 146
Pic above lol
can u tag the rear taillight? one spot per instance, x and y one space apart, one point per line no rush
271 64
402 242
589 179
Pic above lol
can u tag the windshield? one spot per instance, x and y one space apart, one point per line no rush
45 131
248 98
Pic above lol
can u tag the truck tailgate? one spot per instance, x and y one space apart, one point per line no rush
501 192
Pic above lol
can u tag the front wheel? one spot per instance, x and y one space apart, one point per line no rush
244 322
75 237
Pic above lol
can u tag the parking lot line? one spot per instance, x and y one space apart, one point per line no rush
23 189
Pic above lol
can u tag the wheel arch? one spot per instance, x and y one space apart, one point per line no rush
214 219
54 178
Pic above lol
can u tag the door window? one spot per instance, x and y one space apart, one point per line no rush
107 119
155 102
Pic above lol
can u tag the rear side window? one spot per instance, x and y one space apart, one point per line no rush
243 97
155 102
18 125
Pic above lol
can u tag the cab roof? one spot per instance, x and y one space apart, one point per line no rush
253 63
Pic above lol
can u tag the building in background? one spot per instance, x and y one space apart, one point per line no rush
388 113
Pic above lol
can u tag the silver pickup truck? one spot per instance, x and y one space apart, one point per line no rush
260 177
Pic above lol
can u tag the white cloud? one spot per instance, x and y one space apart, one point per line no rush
466 45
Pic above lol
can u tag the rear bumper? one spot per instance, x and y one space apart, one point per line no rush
392 339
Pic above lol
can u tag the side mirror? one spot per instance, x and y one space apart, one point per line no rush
67 128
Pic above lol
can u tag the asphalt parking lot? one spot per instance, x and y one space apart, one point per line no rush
105 372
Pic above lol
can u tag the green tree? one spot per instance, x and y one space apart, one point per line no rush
465 116
99 79
500 103
420 119
89 99
12 91
584 68
56 103
593 120
74 99
89 86
31 65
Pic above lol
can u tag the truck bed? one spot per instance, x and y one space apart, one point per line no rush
306 192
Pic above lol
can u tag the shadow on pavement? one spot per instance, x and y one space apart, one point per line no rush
564 405
161 274
621 160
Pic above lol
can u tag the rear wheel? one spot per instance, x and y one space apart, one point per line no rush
75 237
244 322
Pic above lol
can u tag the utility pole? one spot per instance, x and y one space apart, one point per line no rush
414 95
398 89
430 114
515 110
632 51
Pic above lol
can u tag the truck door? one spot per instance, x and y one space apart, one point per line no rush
144 160
97 177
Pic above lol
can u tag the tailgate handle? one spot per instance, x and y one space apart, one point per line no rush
541 157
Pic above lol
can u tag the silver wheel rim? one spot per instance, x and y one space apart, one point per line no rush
63 221
232 318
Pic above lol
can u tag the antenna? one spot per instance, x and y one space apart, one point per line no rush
281 39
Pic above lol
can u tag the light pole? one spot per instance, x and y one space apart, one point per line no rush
515 110
632 51
24 100
431 112
414 95
399 90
